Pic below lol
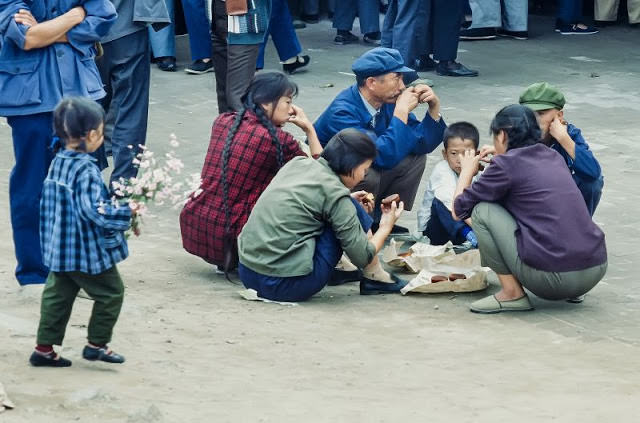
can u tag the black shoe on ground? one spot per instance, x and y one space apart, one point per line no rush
339 277
48 360
301 62
577 29
310 19
424 63
345 37
517 35
371 287
474 34
101 354
453 68
167 64
299 24
199 67
372 38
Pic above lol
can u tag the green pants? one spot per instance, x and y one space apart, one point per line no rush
495 228
60 291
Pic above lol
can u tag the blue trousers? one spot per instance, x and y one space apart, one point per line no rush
399 28
300 288
32 136
366 10
591 192
282 32
569 11
163 42
442 227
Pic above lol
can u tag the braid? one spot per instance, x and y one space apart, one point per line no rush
226 151
266 122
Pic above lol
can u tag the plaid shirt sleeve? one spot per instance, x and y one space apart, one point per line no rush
95 206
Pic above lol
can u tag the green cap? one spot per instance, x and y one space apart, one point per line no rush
542 96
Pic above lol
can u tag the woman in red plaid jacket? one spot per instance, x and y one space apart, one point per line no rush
246 150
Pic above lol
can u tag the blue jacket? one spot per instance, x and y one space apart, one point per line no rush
394 139
584 167
35 81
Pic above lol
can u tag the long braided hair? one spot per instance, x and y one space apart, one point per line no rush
265 89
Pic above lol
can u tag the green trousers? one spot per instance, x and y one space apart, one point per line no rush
495 228
60 291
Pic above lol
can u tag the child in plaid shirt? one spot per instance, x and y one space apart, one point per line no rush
82 236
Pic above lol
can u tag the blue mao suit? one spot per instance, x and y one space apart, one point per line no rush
585 169
31 84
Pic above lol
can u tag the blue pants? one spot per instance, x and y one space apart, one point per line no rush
163 42
282 32
301 288
32 136
569 11
367 10
442 227
399 28
591 192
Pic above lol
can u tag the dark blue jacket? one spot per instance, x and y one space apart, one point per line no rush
584 167
35 81
394 139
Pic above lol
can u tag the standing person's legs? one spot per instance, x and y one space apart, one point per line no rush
345 15
163 42
198 25
107 291
446 28
405 31
485 13
241 66
369 16
388 24
129 106
311 8
32 135
606 10
514 15
282 32
55 309
219 56
633 10
569 11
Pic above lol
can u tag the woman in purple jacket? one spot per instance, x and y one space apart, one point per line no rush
532 225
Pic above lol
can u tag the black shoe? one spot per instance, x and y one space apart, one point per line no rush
371 287
310 19
424 63
299 24
199 67
453 68
397 229
517 35
345 37
102 354
301 62
474 34
339 277
48 360
372 38
577 29
167 64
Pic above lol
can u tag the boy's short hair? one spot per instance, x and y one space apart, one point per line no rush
542 96
462 130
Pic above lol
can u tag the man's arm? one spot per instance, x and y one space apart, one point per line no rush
44 34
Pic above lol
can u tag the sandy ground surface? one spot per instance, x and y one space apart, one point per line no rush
197 352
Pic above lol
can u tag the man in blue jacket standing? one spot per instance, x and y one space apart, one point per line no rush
46 52
380 105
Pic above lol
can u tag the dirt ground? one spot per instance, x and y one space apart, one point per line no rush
196 351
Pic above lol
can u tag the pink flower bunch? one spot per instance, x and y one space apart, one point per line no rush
157 182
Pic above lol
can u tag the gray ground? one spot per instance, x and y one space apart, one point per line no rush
197 352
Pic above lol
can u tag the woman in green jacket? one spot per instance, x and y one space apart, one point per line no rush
307 217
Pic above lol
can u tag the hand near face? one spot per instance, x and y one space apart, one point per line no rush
426 95
408 99
299 118
469 162
558 128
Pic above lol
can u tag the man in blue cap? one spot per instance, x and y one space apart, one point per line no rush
380 105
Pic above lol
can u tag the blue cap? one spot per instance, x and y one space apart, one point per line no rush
378 61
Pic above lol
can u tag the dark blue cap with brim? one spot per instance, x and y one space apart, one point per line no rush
379 61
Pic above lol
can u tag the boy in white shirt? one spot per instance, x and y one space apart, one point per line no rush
434 217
